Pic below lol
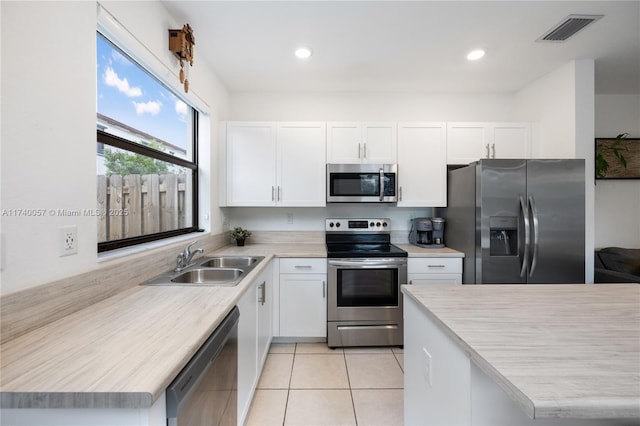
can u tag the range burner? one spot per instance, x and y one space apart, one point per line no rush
360 238
364 250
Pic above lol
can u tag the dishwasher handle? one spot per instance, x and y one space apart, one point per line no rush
191 374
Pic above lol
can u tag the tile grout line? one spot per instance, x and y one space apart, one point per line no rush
353 404
286 404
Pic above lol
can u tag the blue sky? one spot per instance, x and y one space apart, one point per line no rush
128 94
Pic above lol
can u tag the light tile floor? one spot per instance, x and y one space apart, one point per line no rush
310 384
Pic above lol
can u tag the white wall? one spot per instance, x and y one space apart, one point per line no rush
550 103
562 105
48 127
617 202
369 107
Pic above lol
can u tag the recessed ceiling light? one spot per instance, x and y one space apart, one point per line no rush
303 53
474 55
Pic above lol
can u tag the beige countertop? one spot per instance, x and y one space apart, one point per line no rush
124 351
558 350
415 251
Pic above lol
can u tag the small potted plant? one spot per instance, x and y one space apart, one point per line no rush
239 235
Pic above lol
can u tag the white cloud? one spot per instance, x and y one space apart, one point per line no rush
119 58
112 79
151 107
181 109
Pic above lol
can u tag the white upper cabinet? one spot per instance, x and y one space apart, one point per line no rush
379 143
301 174
349 143
510 140
276 164
344 143
251 163
422 165
465 142
469 142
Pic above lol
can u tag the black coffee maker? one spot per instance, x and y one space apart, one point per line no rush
427 232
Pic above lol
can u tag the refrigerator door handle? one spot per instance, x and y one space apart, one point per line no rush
536 235
525 216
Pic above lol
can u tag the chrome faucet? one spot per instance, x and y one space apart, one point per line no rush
185 258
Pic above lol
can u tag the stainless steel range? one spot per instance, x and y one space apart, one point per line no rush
365 272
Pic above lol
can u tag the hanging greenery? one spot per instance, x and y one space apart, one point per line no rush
616 149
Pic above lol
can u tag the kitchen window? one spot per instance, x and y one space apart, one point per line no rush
146 154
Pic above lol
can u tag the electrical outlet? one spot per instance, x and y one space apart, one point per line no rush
68 238
426 366
289 218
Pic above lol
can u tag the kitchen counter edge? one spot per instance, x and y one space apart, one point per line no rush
92 395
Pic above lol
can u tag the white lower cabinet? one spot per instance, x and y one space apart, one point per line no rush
254 338
303 297
265 314
434 270
156 415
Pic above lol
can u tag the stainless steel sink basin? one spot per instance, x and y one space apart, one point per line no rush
226 276
229 262
216 271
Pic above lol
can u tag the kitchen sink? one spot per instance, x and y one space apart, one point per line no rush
229 262
227 276
215 271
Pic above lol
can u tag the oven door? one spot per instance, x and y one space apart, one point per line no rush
365 289
362 183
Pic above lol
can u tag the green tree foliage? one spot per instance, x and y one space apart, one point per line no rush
127 163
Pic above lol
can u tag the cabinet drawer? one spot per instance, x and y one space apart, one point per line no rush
422 279
303 266
434 265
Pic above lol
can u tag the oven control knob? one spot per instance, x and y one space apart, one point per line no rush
337 224
330 224
378 224
384 224
371 225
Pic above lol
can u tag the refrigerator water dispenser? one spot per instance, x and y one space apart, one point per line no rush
503 235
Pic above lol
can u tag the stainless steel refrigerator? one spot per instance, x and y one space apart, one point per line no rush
518 221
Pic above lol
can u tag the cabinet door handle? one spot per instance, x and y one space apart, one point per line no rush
365 151
435 266
324 289
487 148
263 293
359 149
273 193
493 148
303 266
399 193
279 193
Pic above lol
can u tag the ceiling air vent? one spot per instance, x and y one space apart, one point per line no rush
568 27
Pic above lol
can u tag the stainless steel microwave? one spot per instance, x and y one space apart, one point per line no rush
362 183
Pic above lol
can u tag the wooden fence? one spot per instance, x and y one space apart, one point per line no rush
136 205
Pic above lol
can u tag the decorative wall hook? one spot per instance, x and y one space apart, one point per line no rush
181 42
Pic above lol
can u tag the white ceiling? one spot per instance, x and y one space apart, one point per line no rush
382 46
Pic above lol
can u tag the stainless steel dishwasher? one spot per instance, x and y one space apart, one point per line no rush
205 392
